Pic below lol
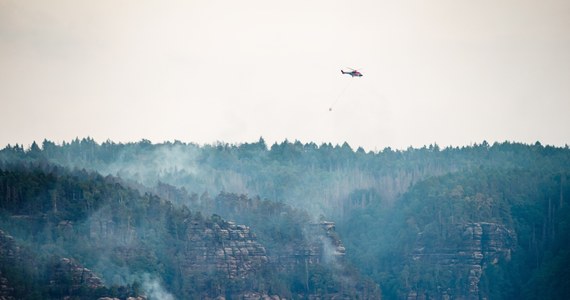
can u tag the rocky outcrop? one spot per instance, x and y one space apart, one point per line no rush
56 278
223 247
330 234
258 296
9 255
9 250
321 246
6 291
322 249
465 255
70 275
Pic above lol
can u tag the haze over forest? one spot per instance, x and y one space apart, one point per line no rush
222 150
288 221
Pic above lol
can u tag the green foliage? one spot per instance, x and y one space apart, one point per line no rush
381 202
530 201
122 234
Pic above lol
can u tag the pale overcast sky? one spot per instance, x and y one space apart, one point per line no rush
451 72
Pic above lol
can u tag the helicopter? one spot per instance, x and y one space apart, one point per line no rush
352 72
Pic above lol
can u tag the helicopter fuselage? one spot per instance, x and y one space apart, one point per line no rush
352 73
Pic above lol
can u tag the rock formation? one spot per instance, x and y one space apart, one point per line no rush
321 245
223 247
69 275
6 291
465 255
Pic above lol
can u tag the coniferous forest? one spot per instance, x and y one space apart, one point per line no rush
292 220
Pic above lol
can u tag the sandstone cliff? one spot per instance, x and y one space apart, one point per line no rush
462 259
225 247
52 278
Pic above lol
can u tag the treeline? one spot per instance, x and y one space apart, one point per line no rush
386 204
288 171
87 153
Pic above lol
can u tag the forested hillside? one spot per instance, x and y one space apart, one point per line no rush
484 221
56 222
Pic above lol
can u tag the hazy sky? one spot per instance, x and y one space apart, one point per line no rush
452 72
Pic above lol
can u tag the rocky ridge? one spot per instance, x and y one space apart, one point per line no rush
6 291
322 245
9 257
70 275
225 247
479 245
65 277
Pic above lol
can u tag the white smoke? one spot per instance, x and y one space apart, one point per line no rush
154 290
148 166
330 253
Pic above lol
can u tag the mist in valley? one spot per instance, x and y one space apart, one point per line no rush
207 220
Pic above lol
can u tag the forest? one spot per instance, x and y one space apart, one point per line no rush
292 220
